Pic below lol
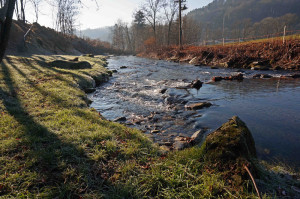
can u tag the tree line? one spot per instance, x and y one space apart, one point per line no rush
156 23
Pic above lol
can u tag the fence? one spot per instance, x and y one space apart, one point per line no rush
224 41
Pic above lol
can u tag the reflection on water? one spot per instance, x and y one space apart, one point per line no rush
270 107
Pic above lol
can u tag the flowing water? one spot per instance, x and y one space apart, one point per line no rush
269 107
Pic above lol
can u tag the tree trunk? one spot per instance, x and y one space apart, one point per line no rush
5 28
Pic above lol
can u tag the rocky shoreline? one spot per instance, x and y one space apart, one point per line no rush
267 55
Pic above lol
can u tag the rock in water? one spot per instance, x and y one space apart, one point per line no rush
120 119
197 84
197 137
198 106
230 145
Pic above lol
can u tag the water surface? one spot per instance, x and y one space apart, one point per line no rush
269 107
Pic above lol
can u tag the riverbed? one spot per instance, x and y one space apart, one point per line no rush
152 95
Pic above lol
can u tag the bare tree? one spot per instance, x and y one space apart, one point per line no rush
20 10
66 13
151 9
36 5
6 14
170 10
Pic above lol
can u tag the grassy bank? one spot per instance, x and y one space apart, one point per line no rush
54 146
266 54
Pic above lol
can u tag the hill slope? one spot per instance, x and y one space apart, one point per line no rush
43 40
246 18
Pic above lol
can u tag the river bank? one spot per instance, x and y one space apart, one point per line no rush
267 54
53 145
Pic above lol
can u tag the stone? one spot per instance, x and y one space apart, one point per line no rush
265 76
198 106
197 84
89 90
70 64
224 64
239 77
194 61
197 136
217 78
256 76
120 119
179 144
214 67
123 67
114 71
163 91
154 131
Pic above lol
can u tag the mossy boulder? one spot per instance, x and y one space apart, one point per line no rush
231 147
70 64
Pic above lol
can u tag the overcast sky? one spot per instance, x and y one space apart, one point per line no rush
108 13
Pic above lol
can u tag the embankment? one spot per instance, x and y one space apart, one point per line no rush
268 54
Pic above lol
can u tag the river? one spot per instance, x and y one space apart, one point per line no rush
269 107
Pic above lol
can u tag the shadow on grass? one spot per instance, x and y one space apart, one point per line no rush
62 169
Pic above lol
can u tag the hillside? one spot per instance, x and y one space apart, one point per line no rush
246 18
104 33
43 40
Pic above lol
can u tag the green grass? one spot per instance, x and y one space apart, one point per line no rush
52 145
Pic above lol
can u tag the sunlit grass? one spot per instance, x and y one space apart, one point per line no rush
52 145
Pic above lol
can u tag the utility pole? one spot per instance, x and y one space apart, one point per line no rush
181 2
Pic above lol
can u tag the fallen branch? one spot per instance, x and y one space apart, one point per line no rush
253 181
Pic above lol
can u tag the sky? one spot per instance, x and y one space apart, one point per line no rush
105 14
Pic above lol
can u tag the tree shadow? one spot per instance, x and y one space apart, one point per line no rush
63 169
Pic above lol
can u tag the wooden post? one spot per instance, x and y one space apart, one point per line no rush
284 32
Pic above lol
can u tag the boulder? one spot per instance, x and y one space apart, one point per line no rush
198 106
123 67
114 71
70 64
230 147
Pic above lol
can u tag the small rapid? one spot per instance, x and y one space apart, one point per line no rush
153 94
